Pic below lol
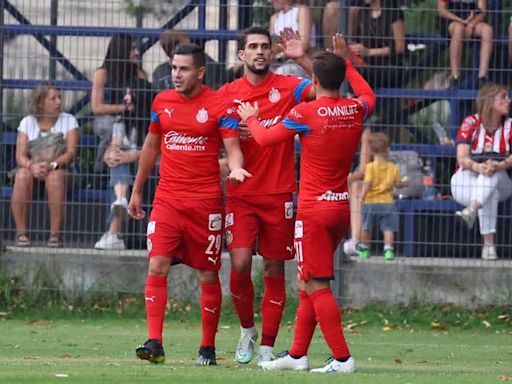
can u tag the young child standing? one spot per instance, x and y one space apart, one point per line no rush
380 177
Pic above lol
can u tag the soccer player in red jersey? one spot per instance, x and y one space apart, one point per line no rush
188 126
260 212
330 129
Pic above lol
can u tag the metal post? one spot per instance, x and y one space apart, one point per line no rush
343 17
54 10
2 5
139 18
244 14
223 25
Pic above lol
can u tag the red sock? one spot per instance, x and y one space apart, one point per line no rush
242 294
305 323
211 300
328 316
272 307
155 296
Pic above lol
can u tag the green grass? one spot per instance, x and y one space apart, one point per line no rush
101 350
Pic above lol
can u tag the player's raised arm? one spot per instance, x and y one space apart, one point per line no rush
361 88
148 156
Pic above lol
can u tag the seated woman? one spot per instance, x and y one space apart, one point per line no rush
464 20
45 118
377 50
484 142
120 94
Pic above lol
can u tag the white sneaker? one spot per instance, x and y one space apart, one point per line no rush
335 366
349 247
266 354
468 216
286 362
489 252
110 241
245 348
120 207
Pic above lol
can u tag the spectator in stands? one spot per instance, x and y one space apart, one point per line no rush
380 176
297 17
484 142
215 72
120 98
331 16
47 163
462 20
377 50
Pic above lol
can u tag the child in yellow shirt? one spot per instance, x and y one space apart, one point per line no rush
380 177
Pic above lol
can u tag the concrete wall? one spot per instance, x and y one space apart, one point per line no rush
465 282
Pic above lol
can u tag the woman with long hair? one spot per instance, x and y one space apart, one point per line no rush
116 111
484 143
45 118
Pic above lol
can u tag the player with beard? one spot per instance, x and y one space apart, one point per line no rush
330 130
260 212
188 126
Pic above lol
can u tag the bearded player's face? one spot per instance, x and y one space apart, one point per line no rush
256 54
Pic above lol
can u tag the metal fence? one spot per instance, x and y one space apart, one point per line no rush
65 41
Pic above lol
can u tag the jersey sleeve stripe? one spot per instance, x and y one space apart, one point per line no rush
364 104
229 123
295 126
299 89
154 117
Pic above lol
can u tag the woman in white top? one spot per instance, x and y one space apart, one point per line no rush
294 16
44 117
484 143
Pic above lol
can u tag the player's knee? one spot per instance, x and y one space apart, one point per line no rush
273 267
208 277
159 265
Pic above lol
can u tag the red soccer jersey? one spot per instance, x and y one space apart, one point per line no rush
273 167
330 129
191 130
472 132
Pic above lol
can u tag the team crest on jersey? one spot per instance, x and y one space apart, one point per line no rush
151 228
299 229
274 96
215 222
230 219
202 116
149 245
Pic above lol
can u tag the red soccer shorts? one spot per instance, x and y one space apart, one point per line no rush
317 235
267 218
187 230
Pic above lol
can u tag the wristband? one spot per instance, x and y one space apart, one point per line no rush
54 165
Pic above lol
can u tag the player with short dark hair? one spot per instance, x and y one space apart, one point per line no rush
260 212
188 126
330 130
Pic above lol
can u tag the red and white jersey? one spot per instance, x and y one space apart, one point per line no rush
192 131
330 130
273 167
472 132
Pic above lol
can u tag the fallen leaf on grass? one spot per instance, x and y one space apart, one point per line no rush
397 361
61 375
356 332
353 325
31 358
224 327
422 362
506 378
391 328
38 322
503 317
66 356
486 324
439 326
5 313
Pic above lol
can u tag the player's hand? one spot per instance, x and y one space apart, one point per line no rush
291 47
246 110
238 176
134 206
339 46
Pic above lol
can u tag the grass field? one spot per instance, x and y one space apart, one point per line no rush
101 350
